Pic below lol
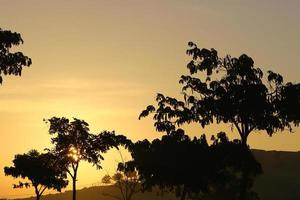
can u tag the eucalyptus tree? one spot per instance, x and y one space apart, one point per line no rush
74 143
230 90
11 63
42 170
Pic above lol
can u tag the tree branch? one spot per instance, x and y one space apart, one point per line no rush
238 128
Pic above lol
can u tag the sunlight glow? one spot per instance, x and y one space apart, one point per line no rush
74 154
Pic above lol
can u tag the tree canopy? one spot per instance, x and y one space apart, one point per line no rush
229 90
11 63
42 170
73 143
191 167
171 164
127 182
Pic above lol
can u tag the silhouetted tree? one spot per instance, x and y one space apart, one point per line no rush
235 169
192 168
42 170
229 90
11 63
125 179
73 143
173 163
127 182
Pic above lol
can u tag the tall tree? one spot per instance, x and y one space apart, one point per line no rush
229 90
11 63
74 143
42 170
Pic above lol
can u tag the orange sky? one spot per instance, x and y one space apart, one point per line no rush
104 61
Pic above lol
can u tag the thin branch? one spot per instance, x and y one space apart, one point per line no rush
238 128
121 188
43 190
68 171
250 130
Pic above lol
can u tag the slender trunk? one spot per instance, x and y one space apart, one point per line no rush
74 178
38 196
74 188
244 181
243 134
244 140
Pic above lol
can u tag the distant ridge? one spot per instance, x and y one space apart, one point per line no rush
98 193
280 181
281 177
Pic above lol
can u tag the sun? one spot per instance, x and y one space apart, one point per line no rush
74 154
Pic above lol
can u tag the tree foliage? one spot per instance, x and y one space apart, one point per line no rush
42 170
74 143
192 167
127 182
236 168
229 90
11 63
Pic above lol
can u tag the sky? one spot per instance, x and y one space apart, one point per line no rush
104 61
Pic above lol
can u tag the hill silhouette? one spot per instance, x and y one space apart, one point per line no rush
281 177
280 181
99 193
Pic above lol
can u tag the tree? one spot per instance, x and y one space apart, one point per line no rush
127 182
192 168
42 170
170 163
235 170
229 90
11 63
125 179
73 143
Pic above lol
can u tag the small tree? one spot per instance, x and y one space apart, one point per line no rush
73 143
11 63
42 170
127 182
229 90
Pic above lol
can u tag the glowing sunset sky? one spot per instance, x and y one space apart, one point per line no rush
104 61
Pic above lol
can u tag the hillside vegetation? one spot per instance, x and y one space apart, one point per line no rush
280 181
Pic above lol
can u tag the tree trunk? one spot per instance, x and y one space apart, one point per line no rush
38 196
245 177
244 139
74 188
75 168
